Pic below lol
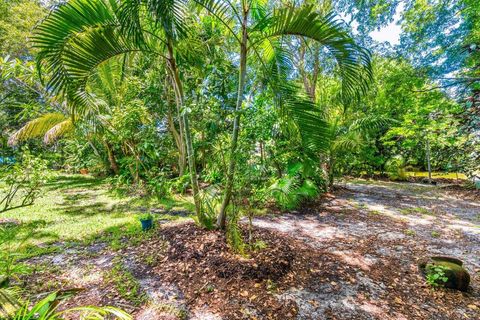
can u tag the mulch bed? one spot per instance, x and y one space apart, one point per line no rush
237 287
201 264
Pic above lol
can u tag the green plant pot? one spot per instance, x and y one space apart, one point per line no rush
147 224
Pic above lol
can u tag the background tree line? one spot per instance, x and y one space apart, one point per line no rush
241 101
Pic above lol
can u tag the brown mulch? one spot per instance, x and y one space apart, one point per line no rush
462 191
208 273
237 287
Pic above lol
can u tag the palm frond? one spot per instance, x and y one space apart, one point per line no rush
54 34
314 130
45 309
97 313
170 15
353 61
224 11
308 189
371 123
36 127
58 130
88 50
349 141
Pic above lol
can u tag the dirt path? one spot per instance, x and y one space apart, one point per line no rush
382 229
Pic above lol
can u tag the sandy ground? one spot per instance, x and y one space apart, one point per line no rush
370 236
399 223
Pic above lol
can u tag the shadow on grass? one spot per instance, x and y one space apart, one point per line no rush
14 234
73 181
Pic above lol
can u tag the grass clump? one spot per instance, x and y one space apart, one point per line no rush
419 210
435 234
126 284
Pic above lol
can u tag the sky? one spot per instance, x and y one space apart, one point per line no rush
391 32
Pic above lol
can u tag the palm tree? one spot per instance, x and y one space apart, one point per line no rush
80 35
258 27
350 137
106 82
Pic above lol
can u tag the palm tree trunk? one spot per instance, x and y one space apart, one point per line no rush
186 126
111 159
179 142
331 171
221 221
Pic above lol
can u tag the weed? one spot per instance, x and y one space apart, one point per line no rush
126 284
271 285
436 275
435 234
410 232
360 206
259 245
150 260
210 288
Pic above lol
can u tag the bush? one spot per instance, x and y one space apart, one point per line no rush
294 187
396 168
23 181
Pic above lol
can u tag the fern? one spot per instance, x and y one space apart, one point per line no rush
295 187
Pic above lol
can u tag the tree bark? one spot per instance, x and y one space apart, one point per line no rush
111 159
221 221
185 124
179 142
429 167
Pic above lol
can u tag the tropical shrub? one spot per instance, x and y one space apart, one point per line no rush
396 168
296 186
23 181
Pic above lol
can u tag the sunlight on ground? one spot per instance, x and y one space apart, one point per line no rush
438 175
76 207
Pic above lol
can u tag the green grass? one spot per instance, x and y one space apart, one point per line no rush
419 210
410 232
438 175
126 284
77 208
435 234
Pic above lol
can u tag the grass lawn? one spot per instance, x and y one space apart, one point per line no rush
439 175
76 208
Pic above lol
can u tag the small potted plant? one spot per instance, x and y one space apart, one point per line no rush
147 221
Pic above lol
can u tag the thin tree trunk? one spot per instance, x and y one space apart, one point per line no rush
221 221
179 142
428 161
188 135
111 159
331 171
